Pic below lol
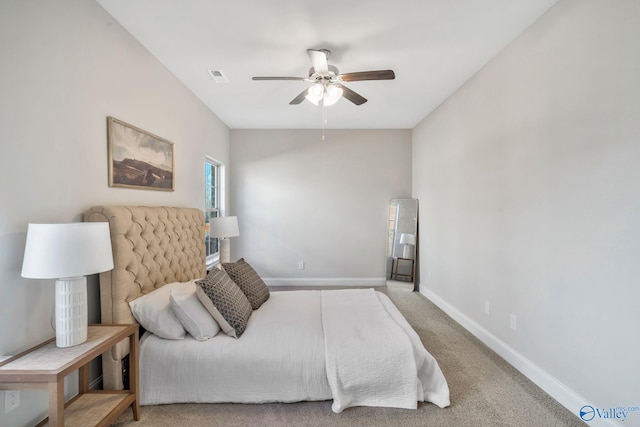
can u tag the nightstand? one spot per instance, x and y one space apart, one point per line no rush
394 269
45 366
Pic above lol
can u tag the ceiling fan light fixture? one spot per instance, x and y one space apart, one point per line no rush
332 95
315 93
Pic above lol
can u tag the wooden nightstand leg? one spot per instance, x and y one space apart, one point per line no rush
133 374
83 379
56 404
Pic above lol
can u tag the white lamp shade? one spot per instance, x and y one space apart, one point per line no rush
407 239
57 251
224 226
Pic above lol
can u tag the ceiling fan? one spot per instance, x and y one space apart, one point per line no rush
327 82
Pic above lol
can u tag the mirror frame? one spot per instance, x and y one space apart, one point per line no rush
402 241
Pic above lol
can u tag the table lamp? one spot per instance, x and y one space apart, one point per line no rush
224 227
408 240
68 252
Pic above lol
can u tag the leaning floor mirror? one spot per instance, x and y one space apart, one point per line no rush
402 241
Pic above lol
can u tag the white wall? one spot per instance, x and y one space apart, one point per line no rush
528 182
299 198
66 66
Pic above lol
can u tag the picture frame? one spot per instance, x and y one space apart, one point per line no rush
139 159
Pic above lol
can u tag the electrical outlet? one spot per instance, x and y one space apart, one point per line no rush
487 308
513 322
300 265
11 400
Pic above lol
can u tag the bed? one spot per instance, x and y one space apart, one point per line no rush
351 346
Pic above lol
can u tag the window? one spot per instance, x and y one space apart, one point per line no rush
213 206
393 216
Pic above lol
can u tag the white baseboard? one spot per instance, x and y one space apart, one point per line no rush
326 282
563 394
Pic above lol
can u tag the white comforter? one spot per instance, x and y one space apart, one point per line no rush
300 345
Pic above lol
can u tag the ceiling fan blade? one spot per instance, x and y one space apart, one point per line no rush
352 96
298 99
368 75
281 78
319 60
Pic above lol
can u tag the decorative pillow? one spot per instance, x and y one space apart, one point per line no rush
192 314
248 280
154 312
225 301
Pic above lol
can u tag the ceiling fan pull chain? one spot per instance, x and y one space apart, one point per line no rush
324 119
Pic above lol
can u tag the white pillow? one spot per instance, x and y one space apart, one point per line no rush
192 314
153 311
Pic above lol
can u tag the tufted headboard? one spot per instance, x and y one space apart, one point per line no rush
152 246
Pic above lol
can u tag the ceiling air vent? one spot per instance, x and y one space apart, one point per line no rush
218 76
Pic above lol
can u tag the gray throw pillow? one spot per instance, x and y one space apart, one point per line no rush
225 301
248 280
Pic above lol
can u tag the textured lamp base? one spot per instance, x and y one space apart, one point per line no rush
71 311
225 250
407 252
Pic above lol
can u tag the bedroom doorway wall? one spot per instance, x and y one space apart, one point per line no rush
402 240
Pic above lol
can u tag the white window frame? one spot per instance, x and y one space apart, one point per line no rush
213 259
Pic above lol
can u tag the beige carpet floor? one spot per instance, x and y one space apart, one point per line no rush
485 390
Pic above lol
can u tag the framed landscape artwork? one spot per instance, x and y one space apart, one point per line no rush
138 159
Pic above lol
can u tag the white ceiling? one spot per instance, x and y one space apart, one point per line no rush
433 46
